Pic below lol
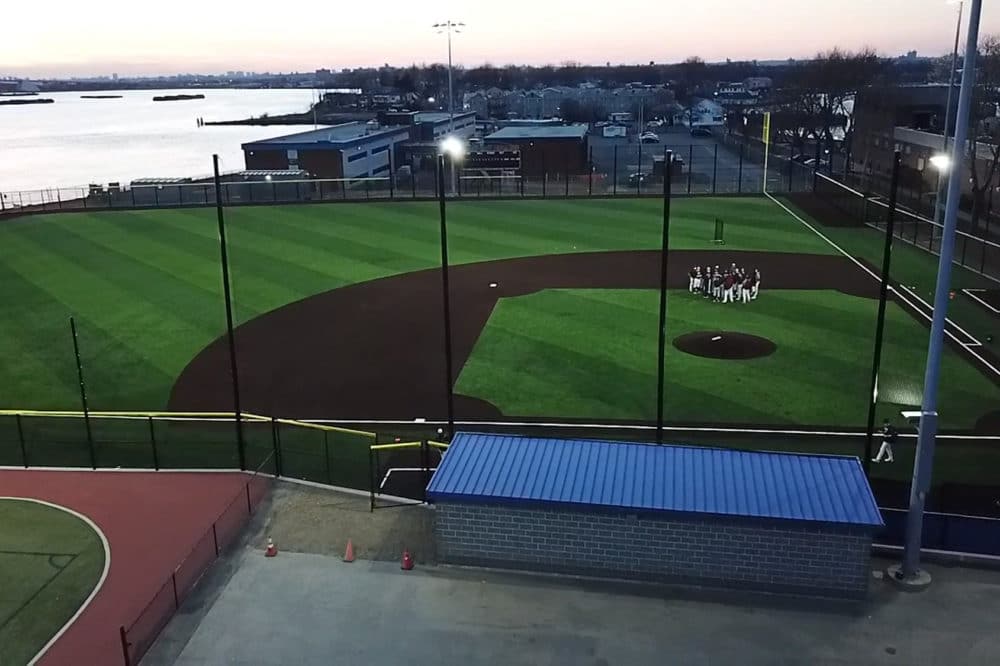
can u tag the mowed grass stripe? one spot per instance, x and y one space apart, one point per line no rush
173 296
362 247
379 230
272 282
123 315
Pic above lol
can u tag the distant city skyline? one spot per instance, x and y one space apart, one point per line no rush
71 39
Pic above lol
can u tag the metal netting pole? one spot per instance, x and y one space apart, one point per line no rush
227 294
880 319
715 169
446 294
661 351
690 165
83 394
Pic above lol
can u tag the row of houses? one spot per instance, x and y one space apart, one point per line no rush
548 102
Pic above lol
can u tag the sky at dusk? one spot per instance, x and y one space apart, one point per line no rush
72 38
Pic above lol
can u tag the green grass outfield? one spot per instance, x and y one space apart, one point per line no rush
50 561
145 286
591 354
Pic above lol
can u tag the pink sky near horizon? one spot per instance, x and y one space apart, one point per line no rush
64 38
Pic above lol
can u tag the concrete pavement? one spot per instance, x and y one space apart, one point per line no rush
309 609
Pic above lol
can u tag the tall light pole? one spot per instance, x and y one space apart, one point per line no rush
450 27
938 208
909 572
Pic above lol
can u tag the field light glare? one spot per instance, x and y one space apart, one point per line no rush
453 147
941 162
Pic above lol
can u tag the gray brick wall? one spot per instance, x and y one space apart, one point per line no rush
780 556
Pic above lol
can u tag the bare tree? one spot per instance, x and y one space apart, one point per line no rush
984 126
818 96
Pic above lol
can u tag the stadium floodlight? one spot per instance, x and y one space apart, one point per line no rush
453 147
941 162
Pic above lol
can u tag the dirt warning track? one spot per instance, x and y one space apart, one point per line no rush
375 350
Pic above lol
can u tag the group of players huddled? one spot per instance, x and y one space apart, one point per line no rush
733 285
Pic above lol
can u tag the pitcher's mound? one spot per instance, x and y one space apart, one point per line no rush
724 344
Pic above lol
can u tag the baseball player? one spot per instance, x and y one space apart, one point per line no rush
889 435
738 285
692 279
706 285
756 284
747 287
728 283
717 281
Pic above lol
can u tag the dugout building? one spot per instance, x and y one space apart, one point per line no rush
555 150
774 522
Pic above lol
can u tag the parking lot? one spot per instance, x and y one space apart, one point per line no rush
708 163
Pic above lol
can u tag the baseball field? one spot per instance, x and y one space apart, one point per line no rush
554 316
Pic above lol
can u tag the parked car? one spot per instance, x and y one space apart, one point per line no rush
649 137
701 131
638 178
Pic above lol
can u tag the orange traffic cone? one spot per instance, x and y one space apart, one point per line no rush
407 562
271 549
349 553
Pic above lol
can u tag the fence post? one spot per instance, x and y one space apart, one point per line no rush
392 178
131 192
215 539
152 441
20 435
425 461
614 174
368 189
343 189
249 504
276 445
326 457
566 175
791 171
715 168
739 181
638 173
124 639
83 394
590 173
371 479
690 165
545 174
173 581
413 183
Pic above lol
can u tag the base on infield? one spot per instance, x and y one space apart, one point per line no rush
727 345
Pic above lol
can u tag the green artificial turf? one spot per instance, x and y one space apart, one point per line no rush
916 268
50 561
146 289
591 354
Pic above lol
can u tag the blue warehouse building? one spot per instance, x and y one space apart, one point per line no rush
775 522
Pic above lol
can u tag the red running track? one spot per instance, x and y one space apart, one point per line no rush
151 521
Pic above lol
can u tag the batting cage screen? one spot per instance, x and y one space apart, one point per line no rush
720 229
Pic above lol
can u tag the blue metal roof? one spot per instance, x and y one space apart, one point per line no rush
788 486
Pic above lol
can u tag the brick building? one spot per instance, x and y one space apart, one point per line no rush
716 517
556 150
350 150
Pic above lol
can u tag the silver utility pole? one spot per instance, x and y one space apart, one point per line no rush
938 208
449 27
923 463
